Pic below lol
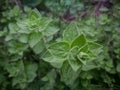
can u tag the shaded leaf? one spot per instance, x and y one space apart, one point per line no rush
68 75
118 67
30 71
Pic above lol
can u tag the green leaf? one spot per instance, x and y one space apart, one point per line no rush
13 28
34 14
86 75
70 33
14 69
17 48
23 38
92 54
73 61
85 83
89 66
68 75
9 37
79 41
118 67
84 48
51 75
24 26
22 73
34 38
39 47
53 60
83 57
94 48
19 81
30 70
3 32
93 45
43 23
59 49
50 31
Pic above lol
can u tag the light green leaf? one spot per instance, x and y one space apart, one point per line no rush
13 28
70 33
16 48
89 66
59 49
94 48
54 61
9 37
43 23
83 57
50 31
34 38
93 45
39 47
23 26
79 41
34 14
92 54
73 61
23 38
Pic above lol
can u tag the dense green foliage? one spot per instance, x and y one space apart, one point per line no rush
59 45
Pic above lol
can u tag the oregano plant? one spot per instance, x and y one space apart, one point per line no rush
34 56
26 34
73 48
